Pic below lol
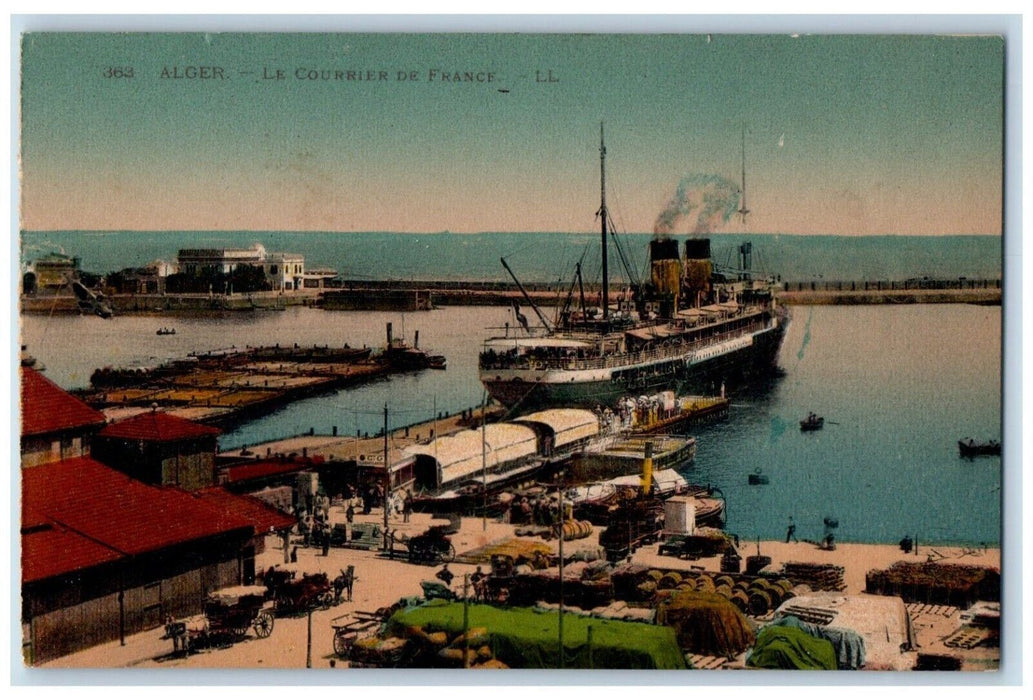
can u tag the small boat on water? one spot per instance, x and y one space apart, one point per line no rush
812 422
166 331
970 448
757 478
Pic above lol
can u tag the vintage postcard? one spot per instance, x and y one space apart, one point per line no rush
352 351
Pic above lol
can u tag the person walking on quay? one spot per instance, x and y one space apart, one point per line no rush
325 532
285 535
407 507
791 531
445 575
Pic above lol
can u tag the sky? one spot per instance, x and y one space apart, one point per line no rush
848 135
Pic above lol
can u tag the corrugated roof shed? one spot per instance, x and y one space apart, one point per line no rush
122 513
51 550
47 408
568 424
263 468
263 517
462 454
157 426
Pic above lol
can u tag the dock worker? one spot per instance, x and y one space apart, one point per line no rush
906 544
477 578
791 531
445 575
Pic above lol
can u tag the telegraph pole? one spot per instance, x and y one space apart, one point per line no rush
484 464
387 479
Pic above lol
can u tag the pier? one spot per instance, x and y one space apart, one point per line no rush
223 386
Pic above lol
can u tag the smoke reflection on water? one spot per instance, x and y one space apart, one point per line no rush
898 386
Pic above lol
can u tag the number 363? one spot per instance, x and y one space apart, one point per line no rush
118 72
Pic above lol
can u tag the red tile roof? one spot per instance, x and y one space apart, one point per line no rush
263 468
264 517
125 515
47 408
51 550
158 426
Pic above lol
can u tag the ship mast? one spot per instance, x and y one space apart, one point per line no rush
743 211
603 215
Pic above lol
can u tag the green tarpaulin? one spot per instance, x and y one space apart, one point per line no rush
528 638
791 648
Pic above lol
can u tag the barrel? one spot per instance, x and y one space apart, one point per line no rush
724 590
654 575
725 581
740 600
705 584
670 580
759 603
773 589
785 584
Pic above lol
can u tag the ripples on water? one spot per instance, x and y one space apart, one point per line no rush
897 385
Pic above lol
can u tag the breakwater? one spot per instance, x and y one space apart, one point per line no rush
401 295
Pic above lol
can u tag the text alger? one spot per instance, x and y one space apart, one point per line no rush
193 72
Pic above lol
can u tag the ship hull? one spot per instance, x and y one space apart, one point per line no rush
738 363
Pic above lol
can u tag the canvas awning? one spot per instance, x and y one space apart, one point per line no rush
568 425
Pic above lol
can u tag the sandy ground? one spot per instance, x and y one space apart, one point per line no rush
382 582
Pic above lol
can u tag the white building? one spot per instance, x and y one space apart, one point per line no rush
283 271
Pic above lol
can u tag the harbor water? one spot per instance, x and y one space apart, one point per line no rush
898 385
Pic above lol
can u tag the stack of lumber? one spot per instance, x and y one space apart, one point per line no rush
820 577
931 582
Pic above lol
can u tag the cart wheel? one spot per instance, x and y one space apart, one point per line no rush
240 631
263 625
341 644
450 554
326 600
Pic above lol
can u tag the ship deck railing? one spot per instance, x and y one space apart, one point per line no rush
674 348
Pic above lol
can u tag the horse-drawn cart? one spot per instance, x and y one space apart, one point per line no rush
293 594
433 546
350 628
228 614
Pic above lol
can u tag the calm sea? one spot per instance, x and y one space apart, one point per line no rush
538 257
898 385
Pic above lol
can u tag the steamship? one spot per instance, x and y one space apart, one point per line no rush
689 328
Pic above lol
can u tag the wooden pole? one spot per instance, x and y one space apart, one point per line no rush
387 480
308 651
484 463
466 620
562 660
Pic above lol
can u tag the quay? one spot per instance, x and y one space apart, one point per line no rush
382 582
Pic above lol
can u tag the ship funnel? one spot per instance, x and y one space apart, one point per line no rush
698 267
666 272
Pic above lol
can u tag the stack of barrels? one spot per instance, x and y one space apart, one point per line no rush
576 530
755 597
